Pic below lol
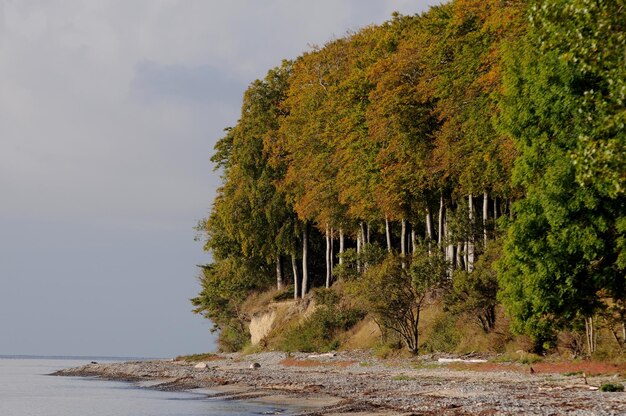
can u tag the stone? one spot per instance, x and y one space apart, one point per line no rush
200 365
255 366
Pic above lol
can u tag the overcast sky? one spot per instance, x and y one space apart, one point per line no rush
109 110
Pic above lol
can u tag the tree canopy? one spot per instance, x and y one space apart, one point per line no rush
488 118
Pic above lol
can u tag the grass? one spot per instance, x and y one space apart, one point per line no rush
291 362
426 366
520 357
197 357
402 377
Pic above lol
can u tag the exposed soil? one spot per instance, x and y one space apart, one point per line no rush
357 383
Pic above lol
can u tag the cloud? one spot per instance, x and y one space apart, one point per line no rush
195 84
108 113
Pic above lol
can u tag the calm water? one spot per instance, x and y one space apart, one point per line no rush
26 390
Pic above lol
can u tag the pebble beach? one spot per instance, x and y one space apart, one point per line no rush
360 383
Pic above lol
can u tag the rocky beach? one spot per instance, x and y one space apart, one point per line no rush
359 383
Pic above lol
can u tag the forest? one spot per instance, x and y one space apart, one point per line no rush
471 157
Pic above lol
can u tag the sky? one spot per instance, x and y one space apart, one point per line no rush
109 110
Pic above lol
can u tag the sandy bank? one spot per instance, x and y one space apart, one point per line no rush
357 383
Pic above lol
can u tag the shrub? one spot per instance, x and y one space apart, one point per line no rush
475 294
318 333
612 387
444 337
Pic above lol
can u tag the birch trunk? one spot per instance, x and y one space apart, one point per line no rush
449 249
358 252
429 224
363 233
363 242
440 231
470 245
294 267
414 241
459 256
341 245
403 242
429 231
369 229
403 238
388 234
279 273
495 208
305 255
327 257
332 252
485 216
591 335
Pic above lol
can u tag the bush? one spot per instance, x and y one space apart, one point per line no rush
475 294
612 387
443 337
318 333
226 284
233 338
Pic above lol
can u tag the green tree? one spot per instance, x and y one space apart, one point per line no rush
560 254
396 294
475 294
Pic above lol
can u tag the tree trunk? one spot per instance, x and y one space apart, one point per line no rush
358 252
470 245
414 241
388 234
591 335
327 257
363 242
305 255
332 251
485 215
495 208
449 250
294 267
363 233
369 232
440 231
429 230
341 245
403 238
279 273
459 256
429 224
466 255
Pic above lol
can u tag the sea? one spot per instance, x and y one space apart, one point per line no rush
27 389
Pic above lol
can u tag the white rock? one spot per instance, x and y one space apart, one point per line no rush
326 355
255 365
460 360
200 365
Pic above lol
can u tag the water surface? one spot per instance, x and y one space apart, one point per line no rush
27 390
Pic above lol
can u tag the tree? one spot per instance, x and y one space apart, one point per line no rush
562 246
396 295
225 286
475 293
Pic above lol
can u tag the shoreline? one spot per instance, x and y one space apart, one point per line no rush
359 383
